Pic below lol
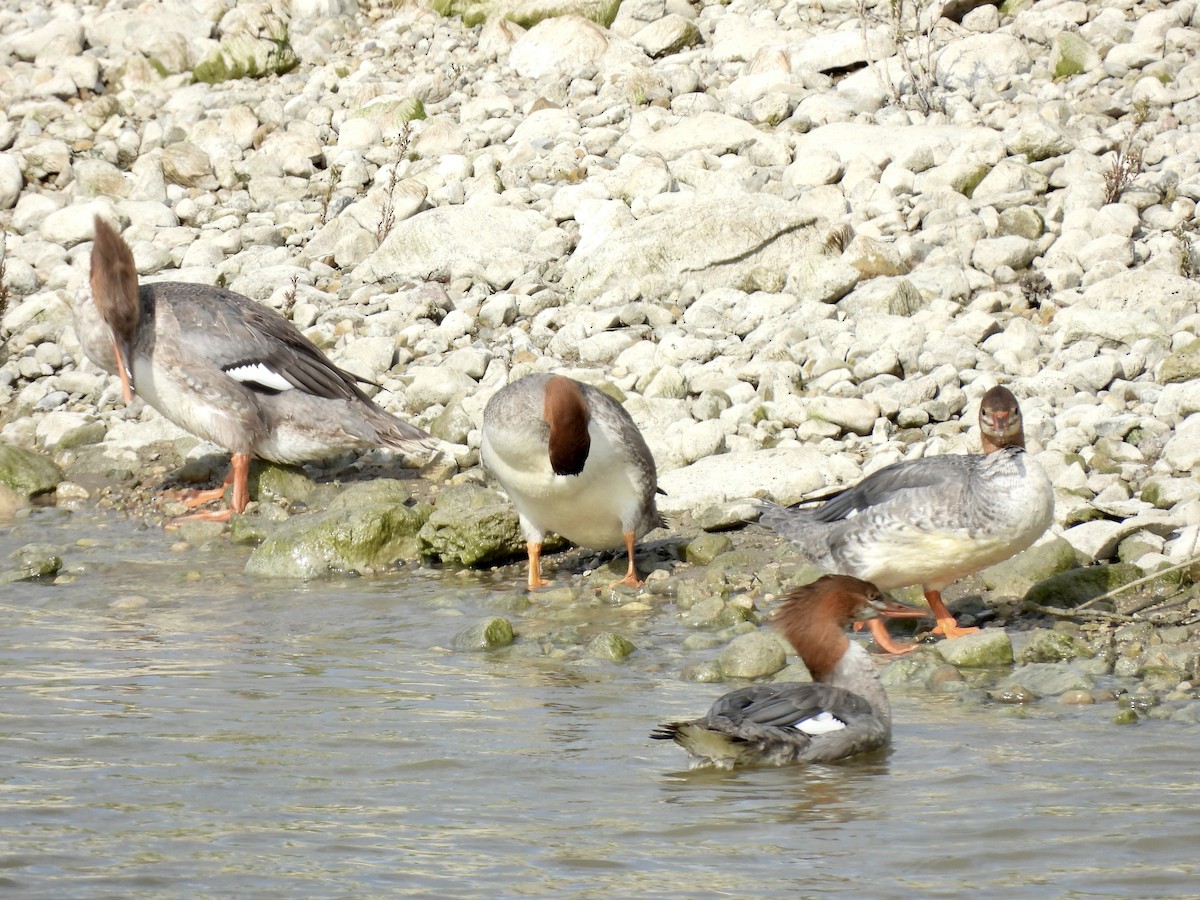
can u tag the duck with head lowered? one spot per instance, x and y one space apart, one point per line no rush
226 369
573 462
931 521
843 712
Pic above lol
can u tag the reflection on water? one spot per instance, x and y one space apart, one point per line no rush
172 728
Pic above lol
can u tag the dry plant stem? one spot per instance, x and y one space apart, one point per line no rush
1138 582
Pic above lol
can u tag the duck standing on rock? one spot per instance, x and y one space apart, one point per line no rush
573 462
843 712
933 520
226 369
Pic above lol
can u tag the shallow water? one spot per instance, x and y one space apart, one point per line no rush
173 728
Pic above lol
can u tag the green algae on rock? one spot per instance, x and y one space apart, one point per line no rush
32 561
26 472
990 647
1043 645
1070 589
753 655
472 525
609 646
1016 575
488 634
368 527
528 13
244 55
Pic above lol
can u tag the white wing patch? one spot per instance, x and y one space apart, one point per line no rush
821 723
257 373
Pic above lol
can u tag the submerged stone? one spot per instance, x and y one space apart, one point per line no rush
1049 679
32 561
610 646
706 672
488 634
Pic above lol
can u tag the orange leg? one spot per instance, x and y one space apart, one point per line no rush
631 576
946 623
880 633
241 482
534 548
239 476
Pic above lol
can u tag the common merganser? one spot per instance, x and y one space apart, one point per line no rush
573 462
933 520
225 369
843 712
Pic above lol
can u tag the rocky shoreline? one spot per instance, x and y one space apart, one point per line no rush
797 241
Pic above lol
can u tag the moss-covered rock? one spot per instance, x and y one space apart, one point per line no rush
245 55
528 13
609 646
1016 575
285 484
1072 55
1043 645
1182 365
704 548
474 526
32 561
753 655
27 473
990 647
369 526
489 634
1071 588
912 671
391 112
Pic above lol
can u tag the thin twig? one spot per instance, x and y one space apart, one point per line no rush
1137 582
1077 613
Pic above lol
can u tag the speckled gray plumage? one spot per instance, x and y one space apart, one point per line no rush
190 336
928 521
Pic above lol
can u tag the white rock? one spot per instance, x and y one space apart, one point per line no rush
978 61
459 242
716 242
714 133
1182 451
435 386
74 224
556 46
11 180
1012 251
783 474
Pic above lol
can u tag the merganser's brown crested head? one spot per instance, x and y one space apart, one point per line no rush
1000 420
114 286
566 412
813 618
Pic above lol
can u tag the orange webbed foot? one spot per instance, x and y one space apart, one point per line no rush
206 515
630 580
883 639
951 629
